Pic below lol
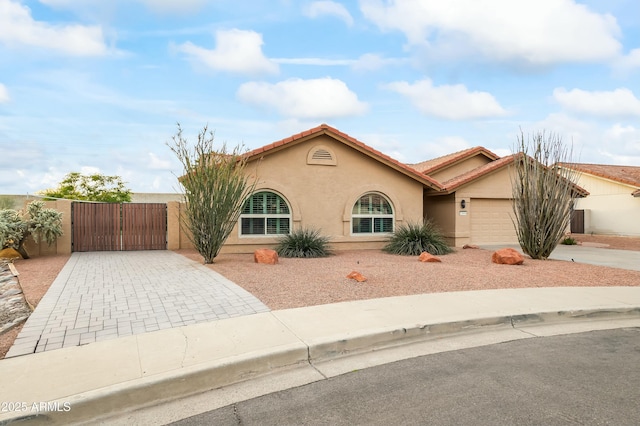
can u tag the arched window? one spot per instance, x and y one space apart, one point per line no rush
265 213
372 214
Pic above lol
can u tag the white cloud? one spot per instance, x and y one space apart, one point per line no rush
625 141
316 98
156 163
157 6
328 8
441 146
322 62
174 6
629 62
20 29
4 94
236 51
537 32
372 62
617 103
590 141
453 102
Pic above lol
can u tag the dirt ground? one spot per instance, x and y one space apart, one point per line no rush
38 273
35 277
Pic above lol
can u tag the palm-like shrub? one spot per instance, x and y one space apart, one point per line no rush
303 243
412 239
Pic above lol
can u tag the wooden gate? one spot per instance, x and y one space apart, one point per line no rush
577 222
116 227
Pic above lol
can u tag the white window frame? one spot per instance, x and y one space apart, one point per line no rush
265 217
373 216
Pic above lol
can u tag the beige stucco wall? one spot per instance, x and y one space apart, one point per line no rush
322 196
441 210
460 168
609 208
457 222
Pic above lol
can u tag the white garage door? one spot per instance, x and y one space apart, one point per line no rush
491 222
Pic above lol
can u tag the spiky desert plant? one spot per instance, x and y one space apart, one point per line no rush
412 239
542 192
215 189
302 243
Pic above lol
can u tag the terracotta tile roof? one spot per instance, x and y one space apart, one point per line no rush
439 163
629 175
458 181
454 183
326 129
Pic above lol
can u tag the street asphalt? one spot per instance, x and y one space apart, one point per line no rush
587 378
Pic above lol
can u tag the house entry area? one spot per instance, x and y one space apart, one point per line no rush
118 227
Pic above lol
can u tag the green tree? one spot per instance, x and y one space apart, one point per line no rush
542 193
40 222
94 187
215 187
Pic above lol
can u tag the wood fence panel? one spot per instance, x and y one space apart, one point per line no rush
115 227
96 227
144 226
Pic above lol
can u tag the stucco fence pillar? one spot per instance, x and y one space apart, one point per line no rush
177 238
63 243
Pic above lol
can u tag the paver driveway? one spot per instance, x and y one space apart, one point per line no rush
104 295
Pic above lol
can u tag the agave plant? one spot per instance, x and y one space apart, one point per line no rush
303 243
412 239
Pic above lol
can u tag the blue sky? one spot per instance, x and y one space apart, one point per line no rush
98 86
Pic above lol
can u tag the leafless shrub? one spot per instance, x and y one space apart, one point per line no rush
542 192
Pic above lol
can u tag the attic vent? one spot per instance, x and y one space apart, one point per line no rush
321 155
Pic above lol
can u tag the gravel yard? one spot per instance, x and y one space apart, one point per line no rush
294 283
305 282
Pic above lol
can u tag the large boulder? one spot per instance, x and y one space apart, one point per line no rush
428 257
266 256
507 256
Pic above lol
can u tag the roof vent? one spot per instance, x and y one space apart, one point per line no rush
321 155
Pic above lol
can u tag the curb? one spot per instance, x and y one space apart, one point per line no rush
184 382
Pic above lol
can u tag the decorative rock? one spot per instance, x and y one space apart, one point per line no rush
14 309
9 253
266 256
355 275
507 256
428 257
470 246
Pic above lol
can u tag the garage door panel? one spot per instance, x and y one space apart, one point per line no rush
491 222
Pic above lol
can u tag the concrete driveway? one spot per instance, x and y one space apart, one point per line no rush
623 259
106 295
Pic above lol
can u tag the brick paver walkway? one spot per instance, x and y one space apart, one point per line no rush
105 295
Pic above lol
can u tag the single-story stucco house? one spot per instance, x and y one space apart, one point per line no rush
325 179
613 204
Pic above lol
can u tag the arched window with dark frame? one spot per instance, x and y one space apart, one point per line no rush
265 213
372 214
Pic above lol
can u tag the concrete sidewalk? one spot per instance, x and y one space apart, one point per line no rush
86 382
623 259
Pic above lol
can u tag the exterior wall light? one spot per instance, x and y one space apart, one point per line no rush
463 204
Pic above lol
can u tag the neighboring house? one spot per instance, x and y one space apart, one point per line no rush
613 204
357 196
